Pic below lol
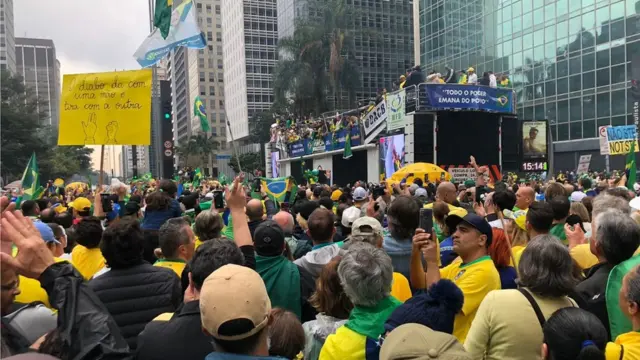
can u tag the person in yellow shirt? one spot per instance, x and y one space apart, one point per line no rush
627 346
177 243
538 221
475 275
29 290
208 225
86 255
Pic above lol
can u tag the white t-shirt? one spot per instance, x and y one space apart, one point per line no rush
492 81
472 79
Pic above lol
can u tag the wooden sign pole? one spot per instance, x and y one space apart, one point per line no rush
101 167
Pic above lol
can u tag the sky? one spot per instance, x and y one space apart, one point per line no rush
89 35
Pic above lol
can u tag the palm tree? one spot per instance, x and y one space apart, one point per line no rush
319 60
205 145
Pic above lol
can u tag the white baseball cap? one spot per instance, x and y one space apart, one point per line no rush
359 194
350 215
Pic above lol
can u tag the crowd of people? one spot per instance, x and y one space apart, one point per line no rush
533 270
416 76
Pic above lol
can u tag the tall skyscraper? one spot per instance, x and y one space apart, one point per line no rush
40 69
381 35
126 161
200 73
570 62
249 39
7 38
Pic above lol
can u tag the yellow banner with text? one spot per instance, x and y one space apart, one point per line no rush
111 108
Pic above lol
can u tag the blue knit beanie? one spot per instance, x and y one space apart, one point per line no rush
435 308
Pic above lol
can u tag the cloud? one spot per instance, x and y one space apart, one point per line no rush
90 36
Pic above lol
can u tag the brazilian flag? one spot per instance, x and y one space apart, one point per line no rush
276 188
200 111
162 16
31 180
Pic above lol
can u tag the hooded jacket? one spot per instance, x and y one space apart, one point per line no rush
316 259
316 333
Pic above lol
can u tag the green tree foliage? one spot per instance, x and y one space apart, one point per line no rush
319 61
22 132
196 150
249 162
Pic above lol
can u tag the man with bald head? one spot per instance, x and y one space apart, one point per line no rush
47 215
446 192
524 198
255 214
285 221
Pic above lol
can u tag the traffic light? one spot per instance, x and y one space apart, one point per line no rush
167 109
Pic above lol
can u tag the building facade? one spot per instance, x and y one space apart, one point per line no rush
36 62
380 34
570 61
196 73
126 161
249 40
7 38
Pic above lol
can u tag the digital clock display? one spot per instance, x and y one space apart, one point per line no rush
534 166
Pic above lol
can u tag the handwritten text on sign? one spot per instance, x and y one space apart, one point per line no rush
112 108
621 138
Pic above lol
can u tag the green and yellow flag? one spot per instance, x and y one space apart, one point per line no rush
200 111
162 16
630 167
31 181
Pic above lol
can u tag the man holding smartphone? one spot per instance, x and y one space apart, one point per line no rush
475 275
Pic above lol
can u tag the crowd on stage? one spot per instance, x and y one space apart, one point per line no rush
416 76
192 268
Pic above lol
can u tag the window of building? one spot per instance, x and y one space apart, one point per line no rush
209 20
209 36
217 9
203 91
202 76
212 90
199 6
221 102
218 36
209 9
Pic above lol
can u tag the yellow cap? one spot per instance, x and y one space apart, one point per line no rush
471 69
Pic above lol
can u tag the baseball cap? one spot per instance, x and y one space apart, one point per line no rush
474 220
335 195
81 204
268 239
366 225
577 196
359 194
221 312
349 215
420 192
45 232
209 196
414 341
519 217
471 69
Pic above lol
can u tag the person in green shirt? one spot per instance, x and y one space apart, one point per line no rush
561 207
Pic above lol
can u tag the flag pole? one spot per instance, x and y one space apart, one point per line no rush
101 167
233 145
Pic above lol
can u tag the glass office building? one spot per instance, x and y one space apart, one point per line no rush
570 61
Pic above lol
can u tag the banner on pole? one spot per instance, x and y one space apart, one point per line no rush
112 108
604 142
396 103
375 121
583 164
619 139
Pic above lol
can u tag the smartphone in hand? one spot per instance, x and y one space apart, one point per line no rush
426 220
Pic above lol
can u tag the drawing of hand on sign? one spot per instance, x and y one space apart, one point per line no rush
90 128
112 130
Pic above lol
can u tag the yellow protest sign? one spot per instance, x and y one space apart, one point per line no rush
112 108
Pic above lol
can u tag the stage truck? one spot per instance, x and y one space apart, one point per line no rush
443 124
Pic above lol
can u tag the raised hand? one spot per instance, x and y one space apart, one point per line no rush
90 128
112 130
235 195
33 256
